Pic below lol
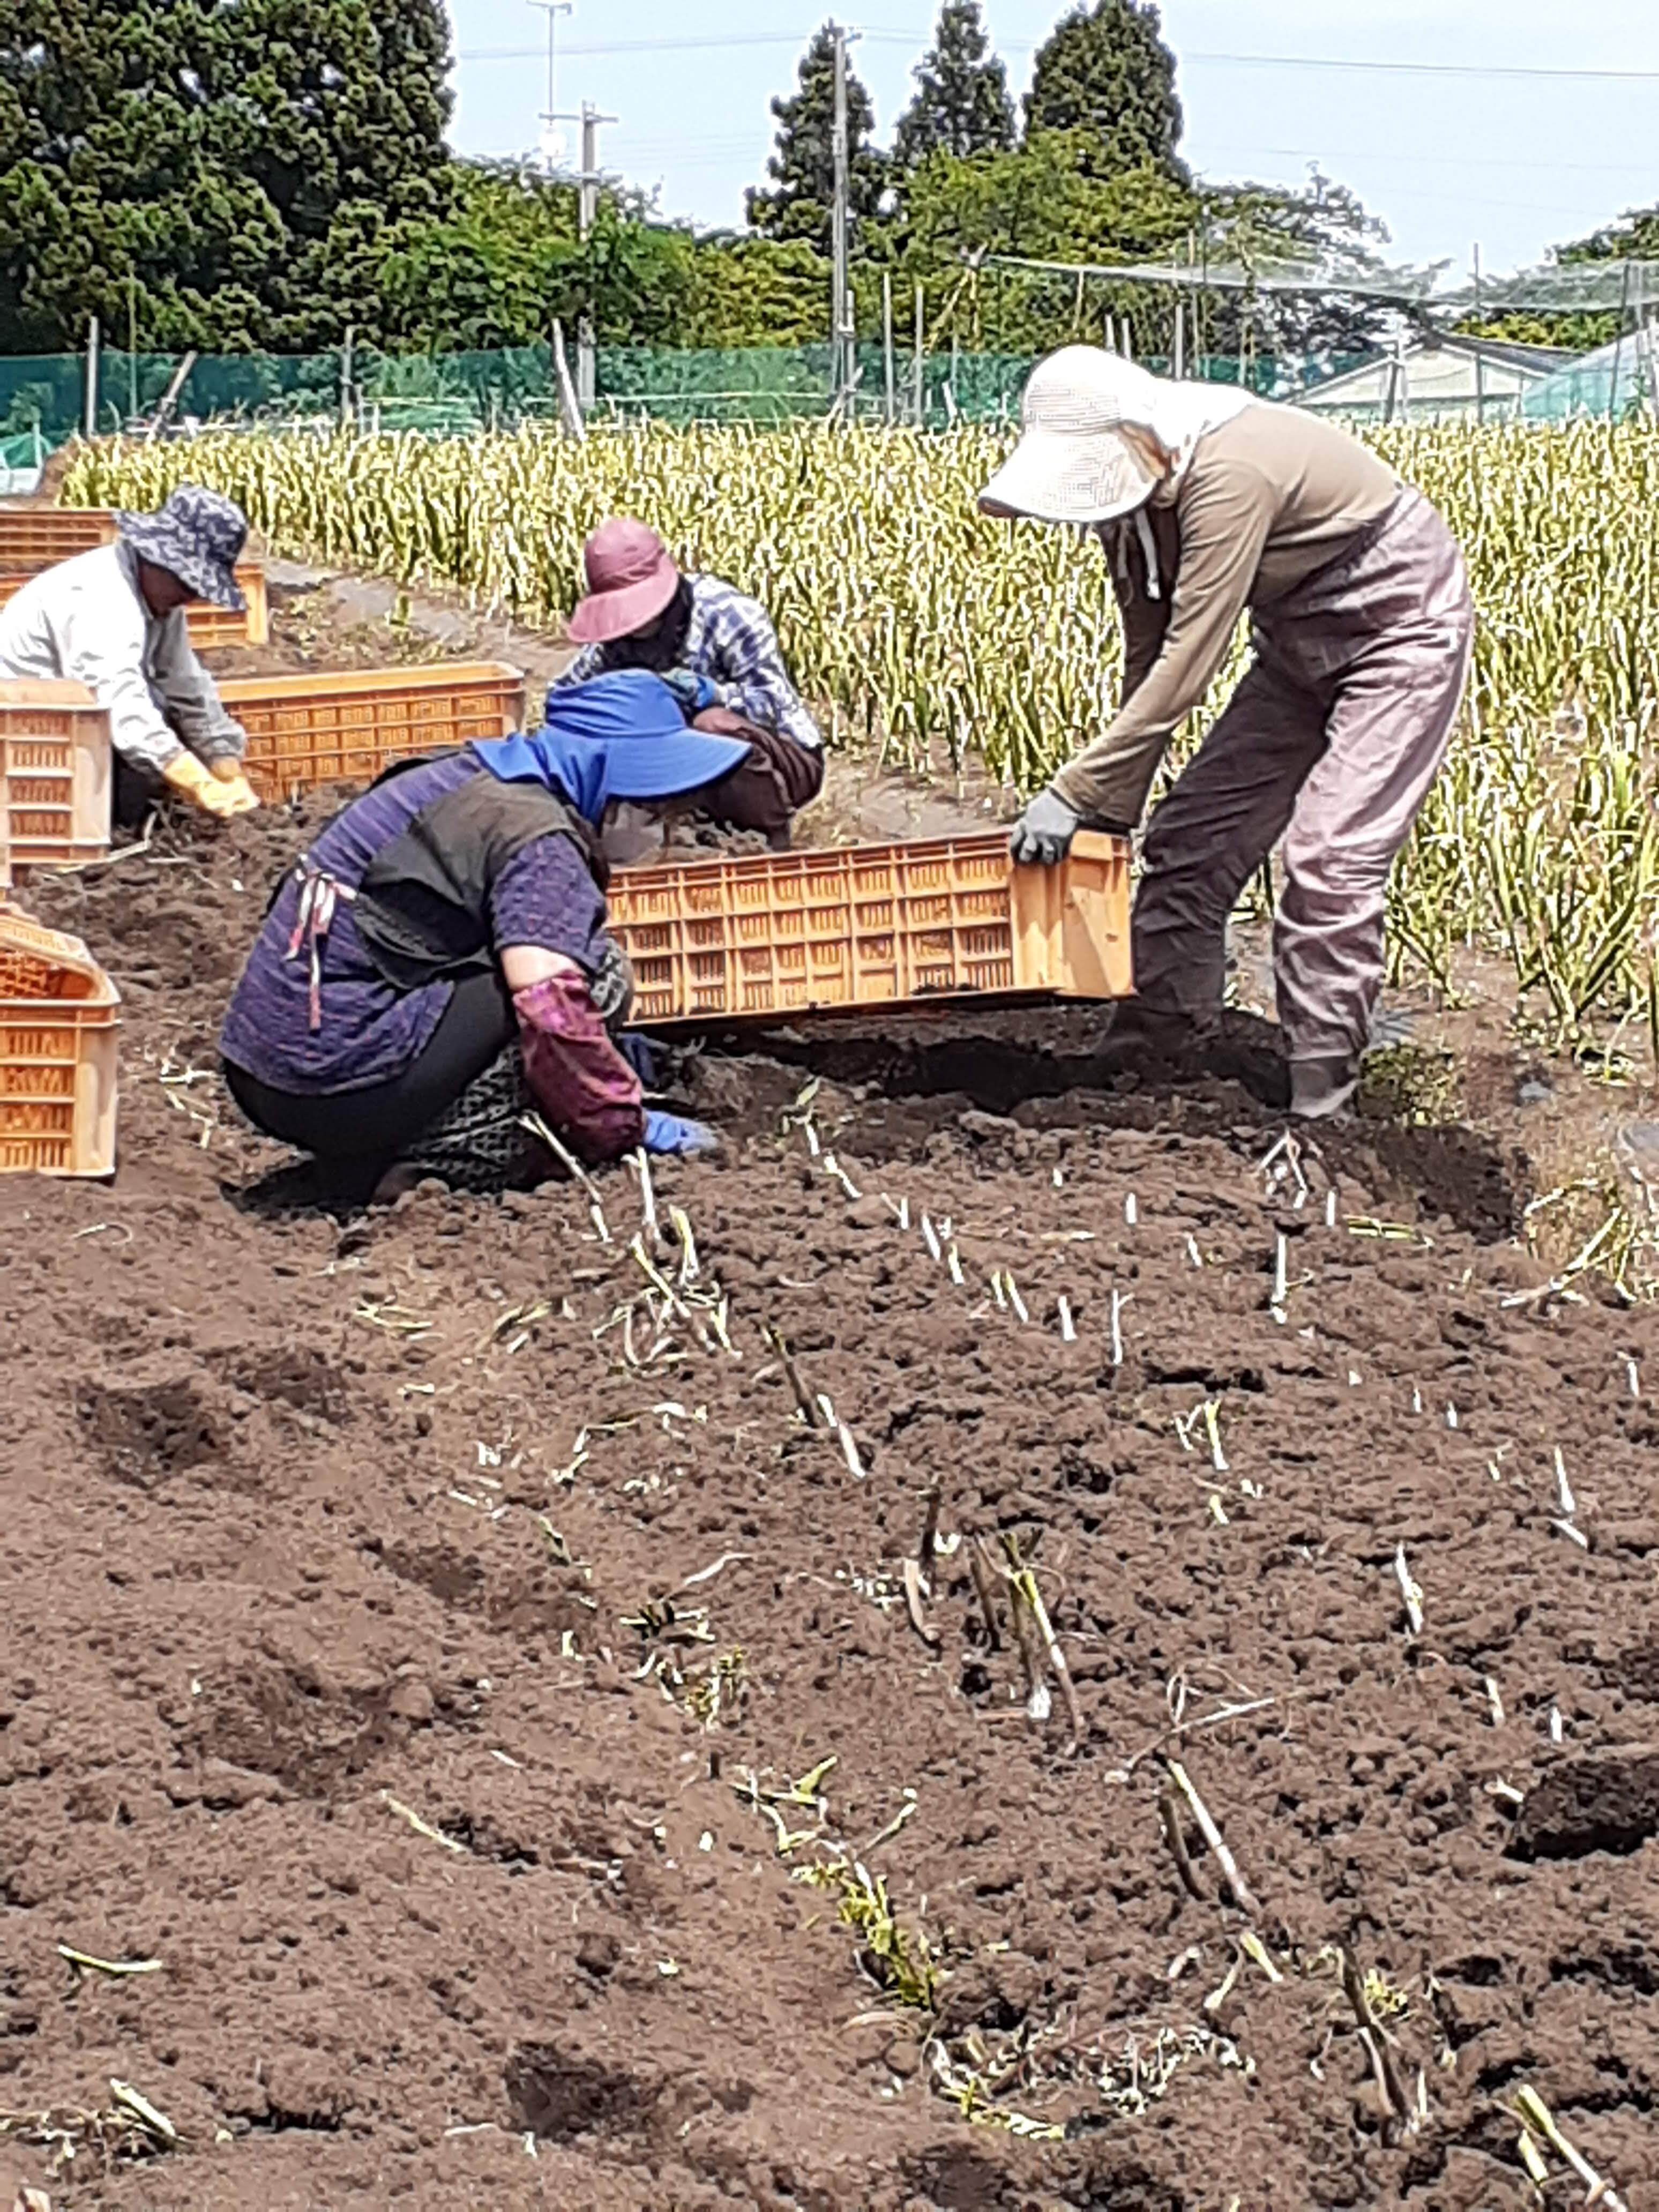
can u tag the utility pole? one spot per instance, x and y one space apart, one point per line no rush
587 214
841 356
550 145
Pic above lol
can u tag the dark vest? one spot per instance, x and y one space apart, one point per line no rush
423 906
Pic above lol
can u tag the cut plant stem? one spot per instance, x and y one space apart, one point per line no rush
1408 1590
1175 1834
84 1959
1564 1489
850 1452
978 1567
1067 1326
1281 1284
1025 1583
910 1574
808 1405
1393 2089
930 1238
1118 1301
1014 1300
574 1168
1536 2114
930 1527
1243 1895
1212 1428
642 1161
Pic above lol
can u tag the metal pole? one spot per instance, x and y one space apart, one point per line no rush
1480 358
90 416
554 9
1179 361
587 214
889 387
838 361
1619 341
132 346
917 395
345 377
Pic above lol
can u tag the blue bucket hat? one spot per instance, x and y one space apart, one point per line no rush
199 537
620 736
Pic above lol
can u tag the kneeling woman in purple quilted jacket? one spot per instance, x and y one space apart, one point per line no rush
436 966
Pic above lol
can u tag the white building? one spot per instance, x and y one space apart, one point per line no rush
1484 379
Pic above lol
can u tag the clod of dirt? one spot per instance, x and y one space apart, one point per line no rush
1607 1802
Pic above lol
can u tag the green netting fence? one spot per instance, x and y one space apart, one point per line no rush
46 395
1617 380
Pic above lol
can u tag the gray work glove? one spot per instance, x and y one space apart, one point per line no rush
1043 835
611 986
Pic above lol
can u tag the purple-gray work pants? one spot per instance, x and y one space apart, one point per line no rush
1330 741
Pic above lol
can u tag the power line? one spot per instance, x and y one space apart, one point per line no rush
1422 69
1484 70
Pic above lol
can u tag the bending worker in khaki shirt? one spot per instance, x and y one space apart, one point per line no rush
113 619
1208 502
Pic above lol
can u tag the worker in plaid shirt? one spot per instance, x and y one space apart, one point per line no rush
718 652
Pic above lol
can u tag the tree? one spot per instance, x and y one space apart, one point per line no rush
803 167
1269 230
961 104
1106 70
232 171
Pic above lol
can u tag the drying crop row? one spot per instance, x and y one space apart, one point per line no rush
922 625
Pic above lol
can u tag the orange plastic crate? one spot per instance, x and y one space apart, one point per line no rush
207 625
871 925
33 538
54 776
60 1013
346 726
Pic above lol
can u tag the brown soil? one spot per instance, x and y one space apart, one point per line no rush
303 1538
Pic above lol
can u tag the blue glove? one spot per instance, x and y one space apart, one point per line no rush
643 1054
667 1132
694 694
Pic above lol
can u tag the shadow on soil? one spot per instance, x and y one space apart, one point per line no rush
1038 1068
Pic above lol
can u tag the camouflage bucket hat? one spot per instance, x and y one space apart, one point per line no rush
199 537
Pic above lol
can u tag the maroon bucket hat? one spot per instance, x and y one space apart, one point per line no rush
631 577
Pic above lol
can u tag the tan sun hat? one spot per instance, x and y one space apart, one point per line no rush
1073 462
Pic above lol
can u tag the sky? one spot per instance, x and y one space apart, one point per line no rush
1511 124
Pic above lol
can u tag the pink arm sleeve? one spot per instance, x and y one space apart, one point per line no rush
582 1083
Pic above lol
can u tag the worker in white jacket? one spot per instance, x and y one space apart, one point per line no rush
113 619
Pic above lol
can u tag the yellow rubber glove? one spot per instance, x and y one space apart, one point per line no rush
227 771
186 774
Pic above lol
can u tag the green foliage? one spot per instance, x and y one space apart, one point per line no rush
961 104
232 171
1039 200
1634 237
802 167
1105 70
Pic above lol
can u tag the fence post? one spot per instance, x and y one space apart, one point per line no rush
918 398
571 412
345 377
90 416
887 343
